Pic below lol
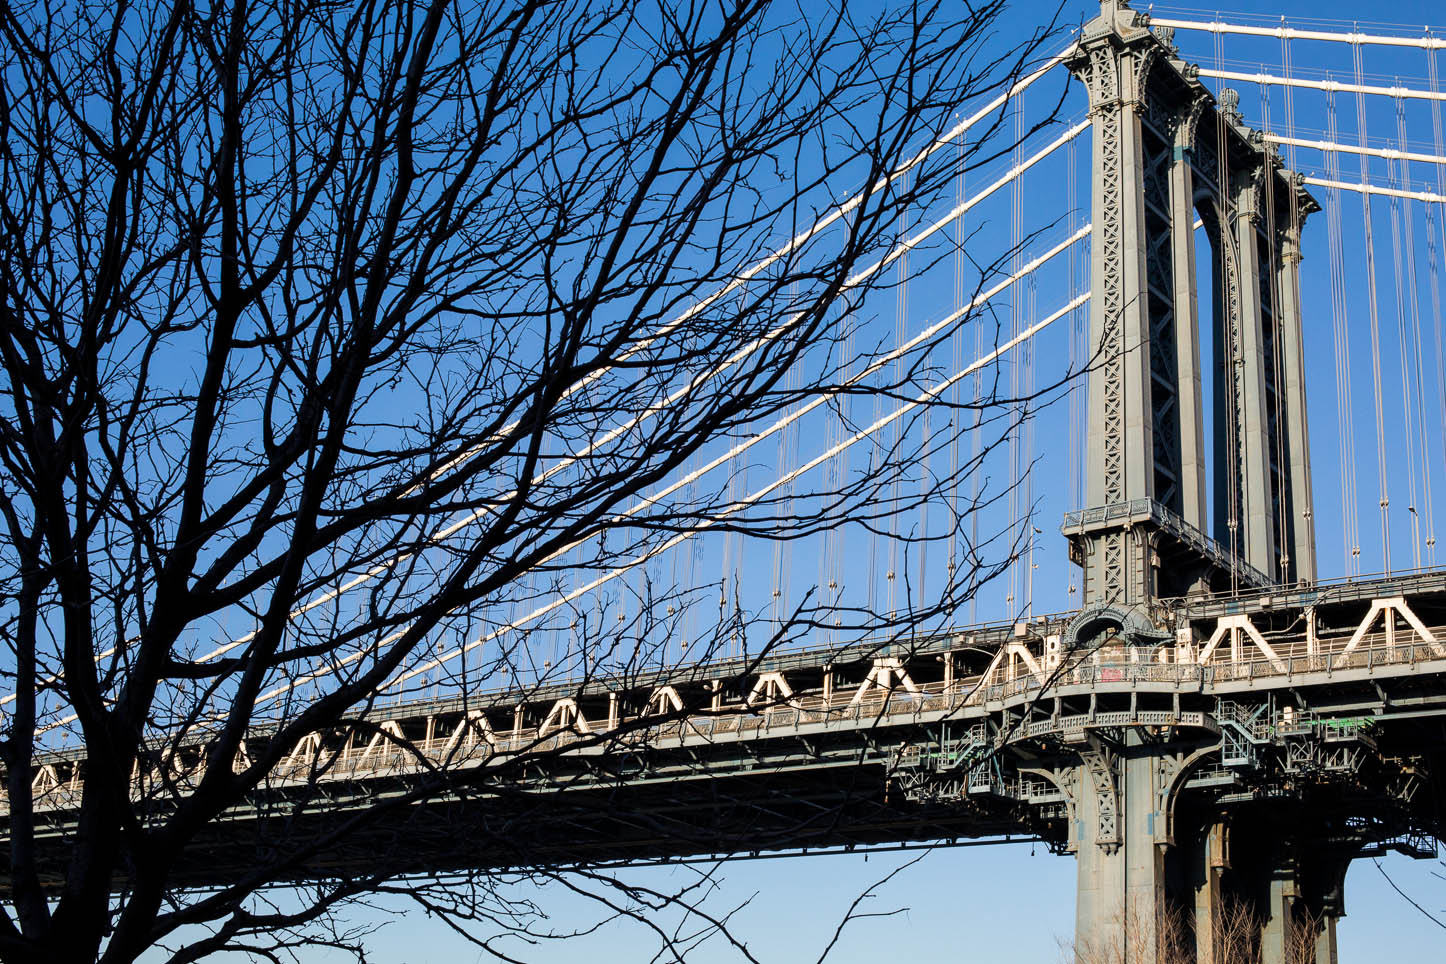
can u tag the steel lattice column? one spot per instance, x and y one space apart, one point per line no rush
1113 58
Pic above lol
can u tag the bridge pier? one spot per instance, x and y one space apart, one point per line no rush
1325 943
1206 868
1154 888
1140 890
1280 917
1121 867
1289 879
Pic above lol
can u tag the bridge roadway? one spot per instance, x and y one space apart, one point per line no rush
1326 701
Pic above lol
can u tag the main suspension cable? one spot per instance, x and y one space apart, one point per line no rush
1219 27
759 494
874 366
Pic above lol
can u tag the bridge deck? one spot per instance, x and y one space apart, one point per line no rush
816 748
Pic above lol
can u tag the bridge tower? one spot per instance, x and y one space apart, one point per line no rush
1166 159
1165 156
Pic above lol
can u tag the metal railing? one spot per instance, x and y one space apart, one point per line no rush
1148 510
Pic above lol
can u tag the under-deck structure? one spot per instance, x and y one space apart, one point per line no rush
1249 753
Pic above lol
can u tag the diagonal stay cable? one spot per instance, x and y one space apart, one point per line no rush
880 423
628 425
794 244
742 446
745 444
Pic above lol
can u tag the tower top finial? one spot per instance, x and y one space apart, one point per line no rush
1230 102
1118 15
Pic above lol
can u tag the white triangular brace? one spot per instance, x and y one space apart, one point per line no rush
887 674
1232 628
1387 610
564 715
306 750
772 689
389 728
664 699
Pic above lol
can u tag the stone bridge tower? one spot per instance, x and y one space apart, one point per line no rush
1166 159
1171 166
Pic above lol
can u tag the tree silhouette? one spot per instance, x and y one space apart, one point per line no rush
334 333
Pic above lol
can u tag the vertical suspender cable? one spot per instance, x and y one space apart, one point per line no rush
1408 323
795 378
828 538
689 548
1437 233
956 345
1030 319
791 459
1289 107
572 657
896 447
1345 417
507 640
776 600
732 544
1439 389
975 456
874 462
1383 483
925 451
1397 272
845 415
1076 430
781 559
675 593
1016 306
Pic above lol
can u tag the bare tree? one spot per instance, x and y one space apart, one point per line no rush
340 334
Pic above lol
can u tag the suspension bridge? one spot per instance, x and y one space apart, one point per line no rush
1218 701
